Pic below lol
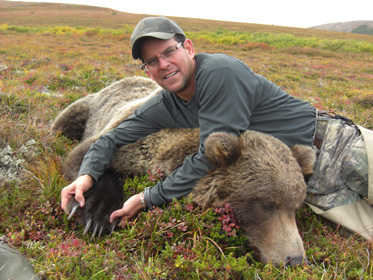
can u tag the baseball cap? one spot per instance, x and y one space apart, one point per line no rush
156 27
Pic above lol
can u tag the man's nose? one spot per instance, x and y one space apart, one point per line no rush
162 63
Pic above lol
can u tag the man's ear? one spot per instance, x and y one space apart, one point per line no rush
188 45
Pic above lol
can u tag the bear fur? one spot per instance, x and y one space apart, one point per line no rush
258 175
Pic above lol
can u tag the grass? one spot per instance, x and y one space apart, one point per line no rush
45 66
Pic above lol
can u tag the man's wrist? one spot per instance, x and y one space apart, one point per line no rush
89 177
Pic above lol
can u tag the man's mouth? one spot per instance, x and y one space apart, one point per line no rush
170 75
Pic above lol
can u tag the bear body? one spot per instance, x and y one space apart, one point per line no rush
258 175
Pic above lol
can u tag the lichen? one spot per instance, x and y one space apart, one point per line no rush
12 162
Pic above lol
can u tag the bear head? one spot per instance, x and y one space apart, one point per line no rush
263 181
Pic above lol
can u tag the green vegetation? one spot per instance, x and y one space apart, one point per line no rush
46 67
363 29
222 36
64 30
227 37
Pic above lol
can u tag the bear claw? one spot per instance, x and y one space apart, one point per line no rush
72 212
88 225
100 232
94 232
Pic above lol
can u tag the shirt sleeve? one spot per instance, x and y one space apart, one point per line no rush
101 153
179 183
145 120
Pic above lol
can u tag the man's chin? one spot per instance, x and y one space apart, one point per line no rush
173 86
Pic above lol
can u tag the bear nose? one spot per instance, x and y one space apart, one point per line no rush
293 261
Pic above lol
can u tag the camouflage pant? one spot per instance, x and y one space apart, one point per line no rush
341 171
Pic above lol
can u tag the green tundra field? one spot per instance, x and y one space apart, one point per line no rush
53 54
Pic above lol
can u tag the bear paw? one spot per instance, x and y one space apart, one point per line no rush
105 196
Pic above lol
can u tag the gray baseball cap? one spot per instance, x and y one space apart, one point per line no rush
156 27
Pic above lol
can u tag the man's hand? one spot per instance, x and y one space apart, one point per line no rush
130 208
76 189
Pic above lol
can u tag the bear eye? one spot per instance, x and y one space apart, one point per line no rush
269 206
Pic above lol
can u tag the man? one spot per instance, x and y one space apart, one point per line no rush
214 92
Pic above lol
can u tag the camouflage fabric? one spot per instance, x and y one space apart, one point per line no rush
341 171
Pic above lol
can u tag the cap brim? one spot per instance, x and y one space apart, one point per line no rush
137 44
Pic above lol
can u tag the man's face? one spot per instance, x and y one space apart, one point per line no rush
175 73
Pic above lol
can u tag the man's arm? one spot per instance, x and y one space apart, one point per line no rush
179 183
159 112
101 153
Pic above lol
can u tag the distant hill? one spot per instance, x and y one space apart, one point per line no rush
358 26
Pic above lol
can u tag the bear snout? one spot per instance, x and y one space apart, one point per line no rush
285 253
288 248
274 238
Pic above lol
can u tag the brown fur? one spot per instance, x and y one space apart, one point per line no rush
257 174
89 116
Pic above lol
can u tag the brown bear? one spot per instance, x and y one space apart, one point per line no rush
259 176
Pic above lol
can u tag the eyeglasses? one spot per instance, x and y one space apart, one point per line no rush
152 63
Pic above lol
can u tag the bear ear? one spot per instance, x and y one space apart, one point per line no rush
306 158
223 149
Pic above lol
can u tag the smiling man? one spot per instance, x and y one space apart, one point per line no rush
173 69
214 92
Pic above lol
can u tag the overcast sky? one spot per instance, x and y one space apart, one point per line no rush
295 13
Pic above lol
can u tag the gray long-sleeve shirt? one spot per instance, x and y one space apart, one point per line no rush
228 97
